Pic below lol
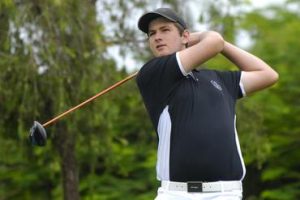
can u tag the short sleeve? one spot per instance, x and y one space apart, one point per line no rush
231 80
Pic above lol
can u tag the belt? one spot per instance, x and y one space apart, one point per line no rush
218 186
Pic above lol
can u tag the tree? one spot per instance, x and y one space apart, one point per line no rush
45 45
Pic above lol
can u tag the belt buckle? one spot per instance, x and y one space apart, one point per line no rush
194 186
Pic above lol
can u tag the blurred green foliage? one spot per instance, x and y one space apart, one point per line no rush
53 55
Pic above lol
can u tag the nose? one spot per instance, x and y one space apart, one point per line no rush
157 37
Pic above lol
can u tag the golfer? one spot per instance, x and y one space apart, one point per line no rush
193 111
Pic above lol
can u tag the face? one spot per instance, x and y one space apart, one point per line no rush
164 37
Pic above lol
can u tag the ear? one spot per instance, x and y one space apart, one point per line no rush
185 37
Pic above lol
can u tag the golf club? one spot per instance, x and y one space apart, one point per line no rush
38 134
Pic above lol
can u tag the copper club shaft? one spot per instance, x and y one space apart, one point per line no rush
90 99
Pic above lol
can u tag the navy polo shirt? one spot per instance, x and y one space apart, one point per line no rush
194 118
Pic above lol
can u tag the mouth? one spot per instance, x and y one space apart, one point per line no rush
160 46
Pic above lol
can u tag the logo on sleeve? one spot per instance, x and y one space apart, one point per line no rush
216 85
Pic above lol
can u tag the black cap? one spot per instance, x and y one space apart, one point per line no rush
167 13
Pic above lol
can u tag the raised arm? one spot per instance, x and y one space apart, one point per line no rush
256 74
202 47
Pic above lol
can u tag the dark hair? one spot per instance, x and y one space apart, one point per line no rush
179 28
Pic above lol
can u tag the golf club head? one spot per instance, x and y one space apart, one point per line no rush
38 135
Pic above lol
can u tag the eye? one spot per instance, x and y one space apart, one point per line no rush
151 33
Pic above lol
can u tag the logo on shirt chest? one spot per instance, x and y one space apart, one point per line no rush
216 85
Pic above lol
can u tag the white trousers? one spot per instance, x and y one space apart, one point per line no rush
163 194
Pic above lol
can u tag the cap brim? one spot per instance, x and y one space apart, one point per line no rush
145 20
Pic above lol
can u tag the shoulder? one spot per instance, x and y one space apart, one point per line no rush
227 74
159 61
206 73
232 81
164 65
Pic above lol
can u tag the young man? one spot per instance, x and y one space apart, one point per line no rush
193 111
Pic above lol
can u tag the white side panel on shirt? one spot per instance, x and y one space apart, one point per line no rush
163 153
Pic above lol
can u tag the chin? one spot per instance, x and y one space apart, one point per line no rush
159 54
